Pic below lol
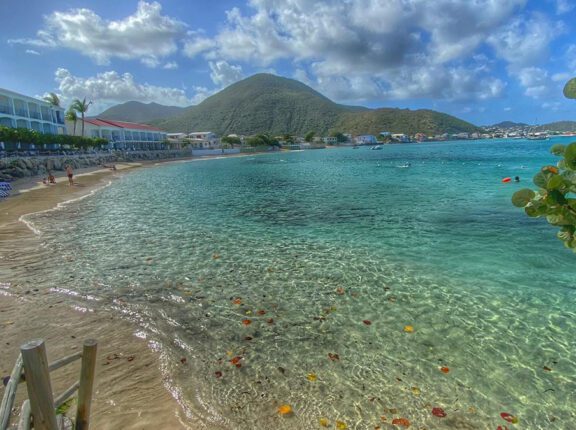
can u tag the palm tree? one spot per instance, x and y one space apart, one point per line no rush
53 99
72 116
81 107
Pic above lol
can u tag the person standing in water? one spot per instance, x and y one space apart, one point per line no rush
70 174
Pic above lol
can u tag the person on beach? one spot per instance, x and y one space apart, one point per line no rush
51 178
70 174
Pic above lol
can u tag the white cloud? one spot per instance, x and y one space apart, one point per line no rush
194 47
525 42
365 49
151 62
554 106
32 52
224 74
507 109
109 88
172 65
147 34
564 6
537 82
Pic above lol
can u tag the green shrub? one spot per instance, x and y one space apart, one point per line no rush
24 135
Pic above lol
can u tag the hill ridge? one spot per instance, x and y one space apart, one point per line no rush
266 103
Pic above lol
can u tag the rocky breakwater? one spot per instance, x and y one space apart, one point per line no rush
12 168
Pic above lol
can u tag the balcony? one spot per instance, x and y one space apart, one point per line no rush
35 115
22 112
6 109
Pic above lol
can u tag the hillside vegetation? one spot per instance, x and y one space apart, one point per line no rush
140 112
559 126
266 103
405 121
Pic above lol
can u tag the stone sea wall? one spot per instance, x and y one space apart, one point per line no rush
12 168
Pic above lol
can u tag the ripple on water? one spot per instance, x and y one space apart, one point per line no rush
189 270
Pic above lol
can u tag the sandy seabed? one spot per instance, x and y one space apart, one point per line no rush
131 391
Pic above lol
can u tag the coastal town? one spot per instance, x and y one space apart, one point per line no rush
46 118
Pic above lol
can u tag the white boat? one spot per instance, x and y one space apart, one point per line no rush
537 137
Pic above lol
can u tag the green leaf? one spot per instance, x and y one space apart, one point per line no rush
540 180
555 182
570 156
556 219
531 211
554 198
558 149
522 197
570 89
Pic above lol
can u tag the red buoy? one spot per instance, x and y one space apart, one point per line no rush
506 179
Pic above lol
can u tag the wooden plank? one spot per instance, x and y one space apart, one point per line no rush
25 414
64 361
10 394
86 384
61 399
38 384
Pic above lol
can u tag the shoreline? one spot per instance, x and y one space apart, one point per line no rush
131 389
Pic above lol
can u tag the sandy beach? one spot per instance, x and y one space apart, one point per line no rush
131 392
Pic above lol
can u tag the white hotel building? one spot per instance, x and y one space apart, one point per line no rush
20 111
120 134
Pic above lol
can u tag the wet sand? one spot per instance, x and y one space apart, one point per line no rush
131 391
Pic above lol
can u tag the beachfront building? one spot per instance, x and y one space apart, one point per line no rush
204 140
20 111
121 134
329 140
400 137
366 139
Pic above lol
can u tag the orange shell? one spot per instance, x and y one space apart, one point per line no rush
401 422
284 409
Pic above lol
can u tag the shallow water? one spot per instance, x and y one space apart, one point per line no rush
321 241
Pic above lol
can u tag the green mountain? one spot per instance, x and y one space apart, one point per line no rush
266 103
560 126
404 121
140 112
508 124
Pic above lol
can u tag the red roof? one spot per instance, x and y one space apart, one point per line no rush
131 125
98 122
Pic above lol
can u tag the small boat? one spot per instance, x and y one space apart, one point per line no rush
538 137
377 147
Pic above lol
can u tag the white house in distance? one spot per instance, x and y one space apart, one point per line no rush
204 140
366 139
196 140
329 140
20 111
120 134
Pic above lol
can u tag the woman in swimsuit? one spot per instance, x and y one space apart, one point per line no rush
70 174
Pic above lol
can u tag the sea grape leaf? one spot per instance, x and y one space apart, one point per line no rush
556 182
540 180
570 156
521 198
558 149
531 211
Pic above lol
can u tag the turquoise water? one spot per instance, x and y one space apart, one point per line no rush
321 241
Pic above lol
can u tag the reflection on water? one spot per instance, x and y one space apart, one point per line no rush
292 278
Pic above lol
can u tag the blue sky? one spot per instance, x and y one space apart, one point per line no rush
484 60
